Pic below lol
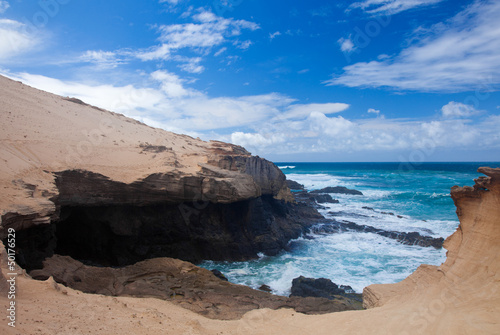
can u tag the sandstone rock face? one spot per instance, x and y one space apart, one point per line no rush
466 287
80 180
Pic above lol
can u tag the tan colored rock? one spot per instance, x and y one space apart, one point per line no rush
41 134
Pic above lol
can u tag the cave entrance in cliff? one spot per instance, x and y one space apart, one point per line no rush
123 235
87 239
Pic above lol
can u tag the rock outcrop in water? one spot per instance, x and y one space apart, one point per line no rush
408 238
338 190
321 287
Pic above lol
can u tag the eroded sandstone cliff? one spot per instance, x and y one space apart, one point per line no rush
462 296
82 181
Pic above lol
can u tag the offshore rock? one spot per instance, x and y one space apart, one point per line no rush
293 185
408 238
310 287
323 288
338 189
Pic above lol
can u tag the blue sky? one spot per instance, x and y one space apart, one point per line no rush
368 80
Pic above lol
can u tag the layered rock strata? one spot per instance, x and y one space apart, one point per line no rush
82 181
463 294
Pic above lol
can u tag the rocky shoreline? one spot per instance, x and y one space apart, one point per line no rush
316 198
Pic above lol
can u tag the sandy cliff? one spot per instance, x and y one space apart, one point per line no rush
120 191
67 163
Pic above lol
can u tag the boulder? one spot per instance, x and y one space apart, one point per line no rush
293 185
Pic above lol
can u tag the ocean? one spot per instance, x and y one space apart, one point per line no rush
396 197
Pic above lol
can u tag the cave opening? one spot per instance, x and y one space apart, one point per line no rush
120 235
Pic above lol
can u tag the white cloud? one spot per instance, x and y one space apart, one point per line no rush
346 44
210 31
460 55
243 44
320 133
390 7
172 2
4 5
171 84
102 59
272 36
373 111
296 111
256 140
15 39
331 127
192 67
458 110
221 50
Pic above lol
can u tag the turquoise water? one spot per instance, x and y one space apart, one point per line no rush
418 194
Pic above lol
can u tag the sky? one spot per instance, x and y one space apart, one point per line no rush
333 81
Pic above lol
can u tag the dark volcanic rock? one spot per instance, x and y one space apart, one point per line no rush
338 189
323 288
182 283
219 274
293 185
313 199
323 198
411 238
265 288
125 234
310 287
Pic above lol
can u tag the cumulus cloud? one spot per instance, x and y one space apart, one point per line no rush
319 133
390 7
15 39
458 110
256 140
346 44
459 55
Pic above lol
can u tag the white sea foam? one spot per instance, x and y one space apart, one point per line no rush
287 167
350 258
315 181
